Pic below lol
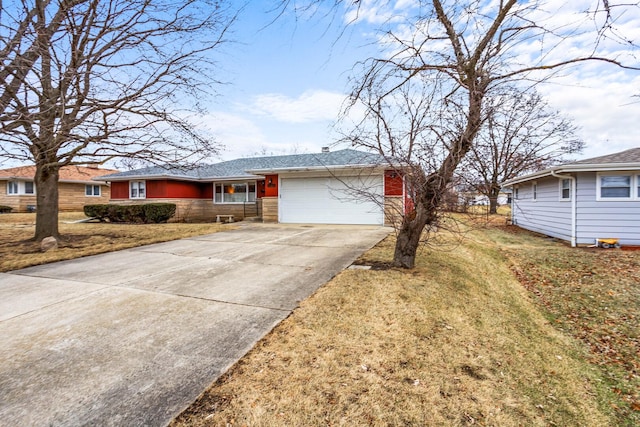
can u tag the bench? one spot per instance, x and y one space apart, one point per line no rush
228 217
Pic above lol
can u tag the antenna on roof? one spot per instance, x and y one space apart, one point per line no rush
325 149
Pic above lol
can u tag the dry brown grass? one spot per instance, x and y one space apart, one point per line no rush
456 341
18 250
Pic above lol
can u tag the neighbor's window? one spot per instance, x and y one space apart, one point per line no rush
29 188
615 186
534 190
12 187
516 193
565 189
92 190
137 190
235 192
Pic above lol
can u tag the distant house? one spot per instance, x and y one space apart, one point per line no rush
341 187
76 188
582 201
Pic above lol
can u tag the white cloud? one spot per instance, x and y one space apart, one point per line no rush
602 105
311 106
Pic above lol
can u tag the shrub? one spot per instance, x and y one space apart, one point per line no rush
5 209
158 212
148 213
96 211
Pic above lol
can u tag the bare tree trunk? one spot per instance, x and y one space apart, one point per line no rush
493 200
46 181
429 195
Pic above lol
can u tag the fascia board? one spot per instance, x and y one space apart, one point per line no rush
573 168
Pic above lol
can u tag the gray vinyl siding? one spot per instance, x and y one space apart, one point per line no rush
595 218
547 214
605 219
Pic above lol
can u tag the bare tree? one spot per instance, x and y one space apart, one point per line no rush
467 49
92 80
521 134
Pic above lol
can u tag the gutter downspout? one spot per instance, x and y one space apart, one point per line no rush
574 204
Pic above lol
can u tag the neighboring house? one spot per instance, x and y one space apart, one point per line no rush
325 188
582 201
76 188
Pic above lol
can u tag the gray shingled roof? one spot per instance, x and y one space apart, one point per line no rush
628 156
629 159
240 167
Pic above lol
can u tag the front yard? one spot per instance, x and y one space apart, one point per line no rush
17 250
505 329
502 328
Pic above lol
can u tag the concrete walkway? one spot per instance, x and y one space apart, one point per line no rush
133 337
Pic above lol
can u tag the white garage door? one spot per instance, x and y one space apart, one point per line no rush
331 200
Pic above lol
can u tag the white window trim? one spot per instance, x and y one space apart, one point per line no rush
247 183
633 183
144 183
534 191
93 186
516 192
20 187
560 188
10 186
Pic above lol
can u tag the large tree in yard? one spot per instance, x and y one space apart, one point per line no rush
521 134
93 80
459 52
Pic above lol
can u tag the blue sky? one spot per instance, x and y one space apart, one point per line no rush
289 79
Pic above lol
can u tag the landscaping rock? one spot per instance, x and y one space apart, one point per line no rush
48 244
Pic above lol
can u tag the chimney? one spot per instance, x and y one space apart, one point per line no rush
325 149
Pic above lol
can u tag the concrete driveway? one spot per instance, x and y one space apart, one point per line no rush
133 337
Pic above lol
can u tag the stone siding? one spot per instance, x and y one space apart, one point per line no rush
270 209
393 211
200 210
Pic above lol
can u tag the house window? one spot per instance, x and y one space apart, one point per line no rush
92 190
614 186
534 190
12 187
29 188
516 193
137 190
565 189
235 192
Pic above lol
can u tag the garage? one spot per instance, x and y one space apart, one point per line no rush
331 200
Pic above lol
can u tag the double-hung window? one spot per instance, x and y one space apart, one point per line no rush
565 189
12 187
235 192
29 188
615 186
137 190
534 190
91 190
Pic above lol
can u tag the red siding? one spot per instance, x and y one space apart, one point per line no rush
188 190
166 189
207 190
260 189
393 183
156 189
120 190
271 189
